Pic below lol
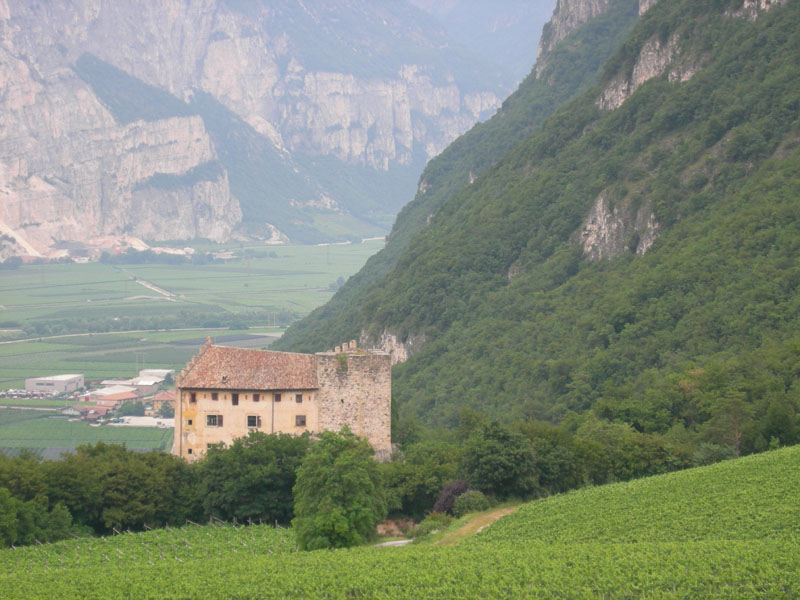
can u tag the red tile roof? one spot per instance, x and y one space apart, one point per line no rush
224 368
164 395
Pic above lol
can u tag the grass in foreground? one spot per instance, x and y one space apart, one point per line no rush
725 531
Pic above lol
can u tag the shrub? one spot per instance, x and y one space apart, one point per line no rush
470 501
431 524
447 497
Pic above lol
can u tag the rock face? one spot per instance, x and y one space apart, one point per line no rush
399 350
69 167
654 58
751 9
567 17
610 230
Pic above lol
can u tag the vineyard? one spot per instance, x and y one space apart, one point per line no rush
731 530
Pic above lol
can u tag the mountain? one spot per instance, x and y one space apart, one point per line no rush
308 121
504 31
634 256
573 66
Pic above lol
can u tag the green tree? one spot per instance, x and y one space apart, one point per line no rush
131 409
339 496
253 478
499 462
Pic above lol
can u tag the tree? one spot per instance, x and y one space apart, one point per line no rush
339 496
253 478
131 409
499 462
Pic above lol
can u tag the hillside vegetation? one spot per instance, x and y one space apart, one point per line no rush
697 338
574 65
729 531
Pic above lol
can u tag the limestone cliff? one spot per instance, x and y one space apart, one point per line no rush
567 17
654 58
68 164
399 350
658 56
613 228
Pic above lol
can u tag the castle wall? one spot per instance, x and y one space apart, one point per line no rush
193 433
355 389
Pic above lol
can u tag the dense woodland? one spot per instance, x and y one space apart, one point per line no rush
696 342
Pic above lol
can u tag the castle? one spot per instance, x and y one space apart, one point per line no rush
224 392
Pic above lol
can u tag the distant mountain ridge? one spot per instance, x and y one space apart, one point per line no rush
343 102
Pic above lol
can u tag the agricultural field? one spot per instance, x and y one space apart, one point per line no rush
731 530
42 432
108 321
270 281
112 355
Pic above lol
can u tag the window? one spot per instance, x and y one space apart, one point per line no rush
300 421
277 397
189 422
253 421
214 420
189 451
235 399
214 396
298 398
192 397
256 397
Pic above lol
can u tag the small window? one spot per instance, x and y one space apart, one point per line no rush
189 422
214 420
235 399
192 397
214 396
256 397
300 421
253 421
298 398
189 451
277 397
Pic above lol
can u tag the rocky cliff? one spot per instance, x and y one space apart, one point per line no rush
364 85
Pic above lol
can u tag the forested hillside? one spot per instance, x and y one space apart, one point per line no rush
636 255
574 65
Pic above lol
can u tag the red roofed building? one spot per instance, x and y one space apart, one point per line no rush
164 397
226 392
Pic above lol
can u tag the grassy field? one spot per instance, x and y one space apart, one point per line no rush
107 356
39 430
42 305
269 278
730 530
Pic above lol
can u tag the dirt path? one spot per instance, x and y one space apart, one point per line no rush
475 525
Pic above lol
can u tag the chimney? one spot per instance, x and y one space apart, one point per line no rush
338 349
352 344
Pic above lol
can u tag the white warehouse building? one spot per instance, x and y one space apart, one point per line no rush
54 384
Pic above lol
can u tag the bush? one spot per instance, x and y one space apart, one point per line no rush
470 501
431 524
447 497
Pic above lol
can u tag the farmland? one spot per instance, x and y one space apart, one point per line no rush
276 279
254 291
730 530
41 432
